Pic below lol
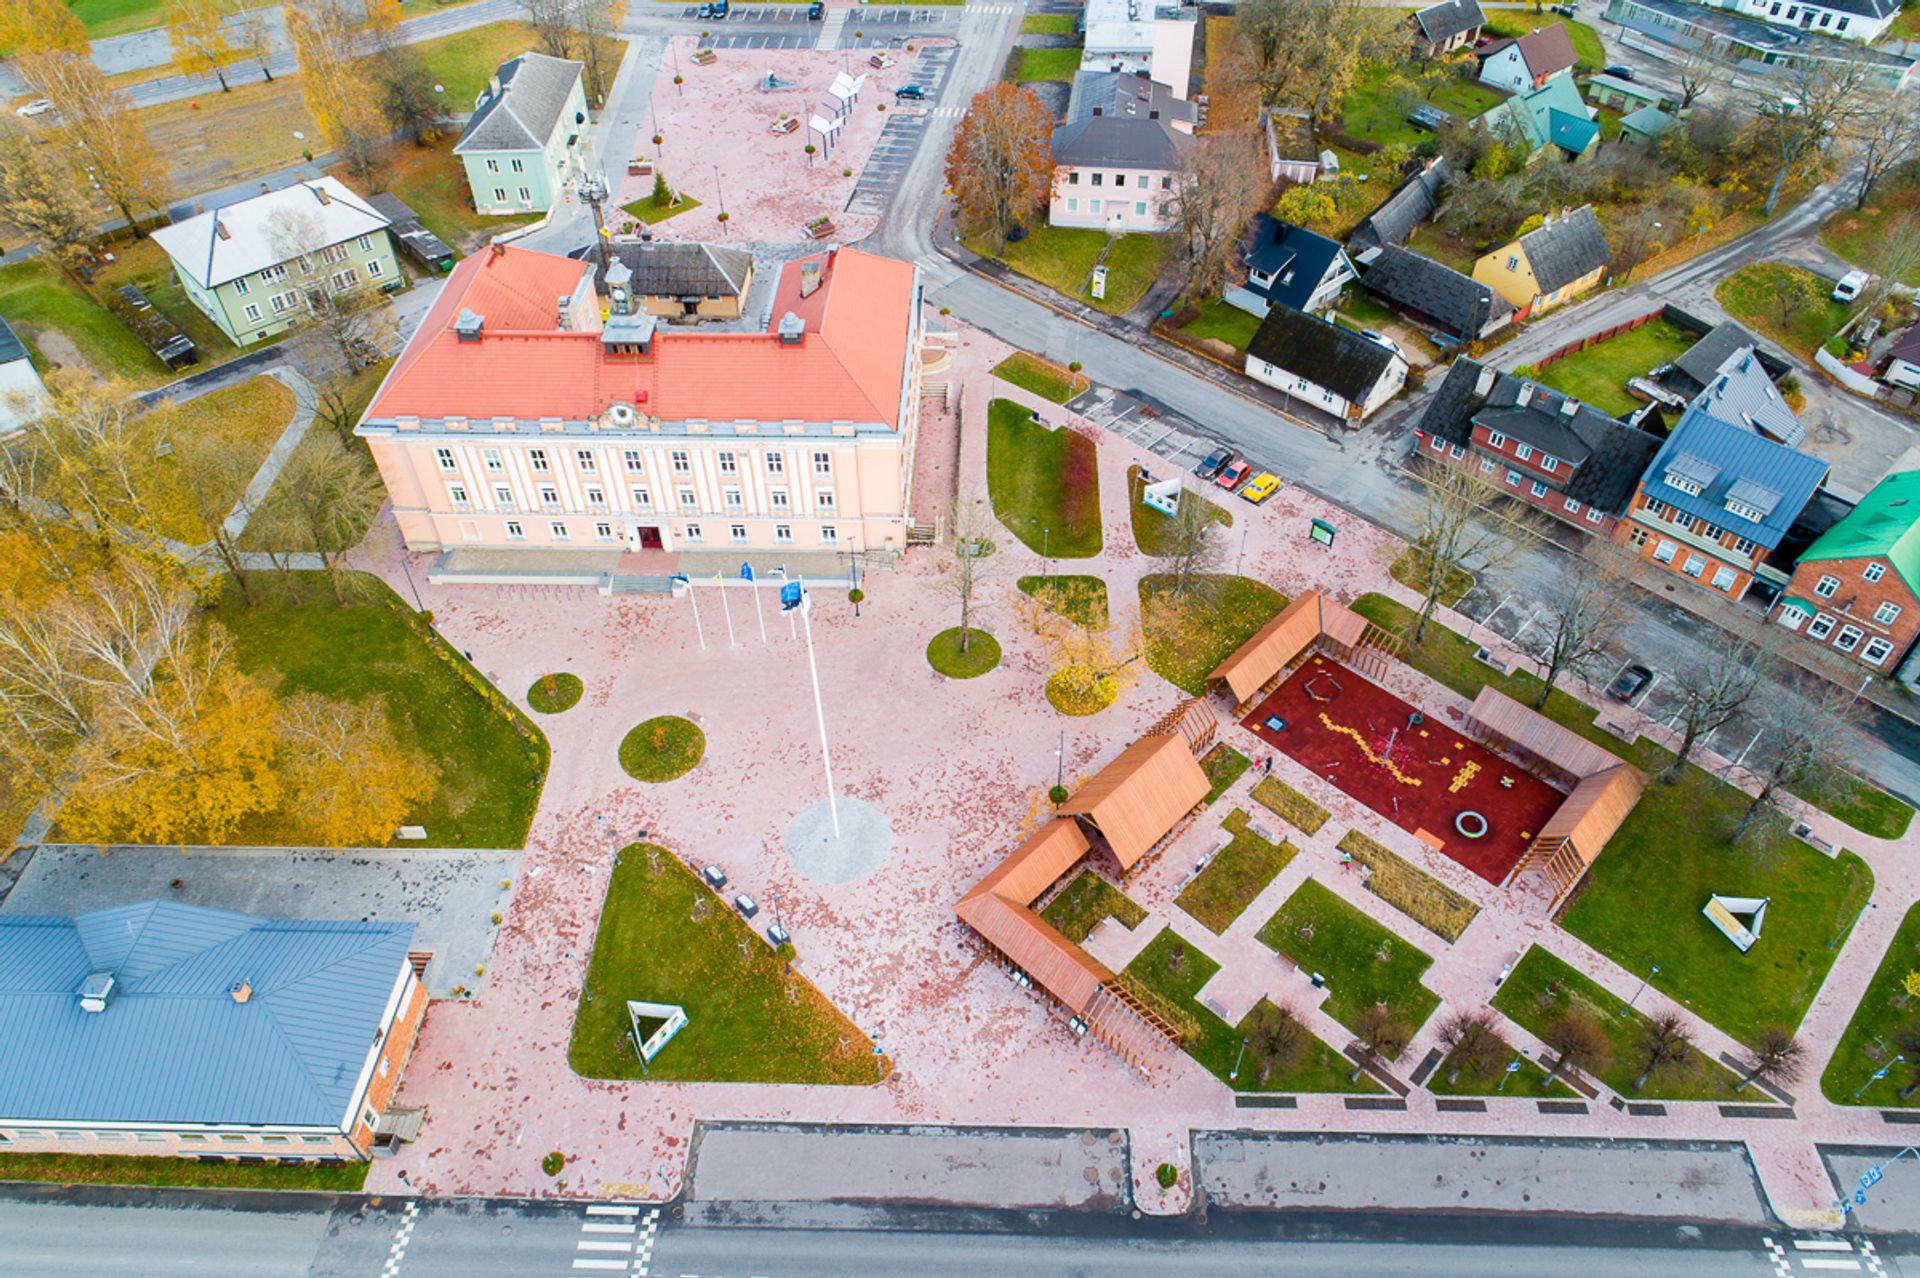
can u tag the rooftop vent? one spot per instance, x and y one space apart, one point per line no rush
790 329
220 229
320 193
1483 385
468 325
562 311
240 991
95 991
1525 396
809 278
1569 406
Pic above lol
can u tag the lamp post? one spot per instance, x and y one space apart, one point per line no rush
1879 1074
1060 763
1046 549
418 606
1513 1067
1234 1073
1643 989
1834 943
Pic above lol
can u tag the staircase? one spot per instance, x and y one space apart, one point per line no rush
630 584
830 28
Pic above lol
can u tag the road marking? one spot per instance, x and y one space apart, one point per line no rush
1873 1259
1814 1263
608 1227
613 1209
397 1252
600 1244
617 1266
1822 1244
643 1248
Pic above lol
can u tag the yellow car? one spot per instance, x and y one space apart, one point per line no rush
1261 487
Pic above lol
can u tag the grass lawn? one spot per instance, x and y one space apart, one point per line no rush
1080 906
1363 962
1080 599
1046 24
1168 975
944 655
1410 569
1047 64
217 138
1487 1075
490 775
465 60
1410 889
1585 41
1746 296
662 749
1598 375
1044 483
555 693
1188 638
1855 236
1542 988
431 181
57 320
1043 377
244 420
182 1173
1291 806
645 210
1870 810
355 396
747 1020
1449 250
1368 111
1223 765
1874 1035
1062 258
1224 323
1151 528
145 264
1236 874
117 17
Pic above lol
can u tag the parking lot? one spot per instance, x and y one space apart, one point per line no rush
900 139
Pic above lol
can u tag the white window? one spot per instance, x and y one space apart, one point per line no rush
823 463
1826 586
499 192
1457 451
1572 506
1752 514
1822 626
373 269
1874 571
1595 514
691 532
558 529
603 531
1549 463
1140 206
1539 489
642 499
1513 262
365 243
241 286
1849 638
1073 204
732 498
278 271
518 166
1438 444
1723 578
1884 615
343 280
585 457
1664 552
1141 181
778 497
829 535
283 302
680 464
1496 440
1682 484
549 496
1523 451
1876 651
491 458
526 196
1486 465
537 458
503 496
686 500
1694 566
457 494
1742 546
737 533
253 313
783 534
1513 479
776 464
445 457
823 500
493 166
596 498
631 460
727 463
1093 206
514 531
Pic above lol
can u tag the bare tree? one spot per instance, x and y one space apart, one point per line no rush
1579 1042
1466 1038
322 502
1808 740
1892 256
1190 540
1222 183
1277 1038
1664 1045
556 23
1776 1056
971 564
1699 72
599 21
1382 1033
1713 689
350 321
1885 134
1798 113
253 37
1308 53
1460 534
1585 606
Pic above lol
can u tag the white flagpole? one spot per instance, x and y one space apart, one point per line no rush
820 715
696 614
758 612
721 582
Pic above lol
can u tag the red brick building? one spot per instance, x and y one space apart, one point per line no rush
1857 588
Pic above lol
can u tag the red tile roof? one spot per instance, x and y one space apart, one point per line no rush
850 364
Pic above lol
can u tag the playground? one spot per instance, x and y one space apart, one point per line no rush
1424 776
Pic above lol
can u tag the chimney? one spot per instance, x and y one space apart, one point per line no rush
240 991
220 228
495 252
1569 406
198 208
562 311
1483 384
809 278
95 991
790 329
467 326
320 193
1525 396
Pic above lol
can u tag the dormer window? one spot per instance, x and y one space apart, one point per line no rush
1683 484
1752 514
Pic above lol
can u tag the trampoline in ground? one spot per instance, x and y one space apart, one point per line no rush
1420 773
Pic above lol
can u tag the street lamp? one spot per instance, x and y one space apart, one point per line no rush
1878 1074
1513 1067
1643 989
1234 1073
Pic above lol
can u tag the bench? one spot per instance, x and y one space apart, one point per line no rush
785 124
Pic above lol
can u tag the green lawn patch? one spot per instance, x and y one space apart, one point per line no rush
665 937
1598 375
1043 377
1223 322
181 1173
1485 1074
1152 531
1869 809
1079 598
492 761
39 300
645 210
1410 889
1189 636
1044 482
554 693
1291 806
1369 111
1081 904
1363 962
1585 41
1449 250
662 748
432 182
1237 873
1047 64
1746 295
146 265
1410 570
1167 976
1223 765
1857 235
264 532
118 17
1062 258
944 655
1047 24
1541 989
1885 1024
464 61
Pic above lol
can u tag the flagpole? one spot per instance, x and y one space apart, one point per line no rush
820 717
696 611
721 582
758 612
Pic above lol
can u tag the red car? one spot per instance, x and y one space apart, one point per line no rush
1235 472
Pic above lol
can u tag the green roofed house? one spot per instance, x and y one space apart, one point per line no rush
1646 125
1549 120
520 143
1856 589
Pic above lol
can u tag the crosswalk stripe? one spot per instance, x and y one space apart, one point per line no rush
1812 1262
597 1244
612 1209
1821 1244
617 1266
608 1227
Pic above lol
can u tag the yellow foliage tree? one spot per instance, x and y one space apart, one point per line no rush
329 41
35 26
197 37
1090 668
350 783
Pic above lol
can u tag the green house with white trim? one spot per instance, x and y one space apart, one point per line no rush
521 142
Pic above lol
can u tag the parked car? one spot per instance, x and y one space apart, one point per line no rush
747 906
778 935
1380 339
910 93
1238 470
816 11
1850 285
1619 72
704 12
714 875
1261 486
1630 683
1213 463
39 106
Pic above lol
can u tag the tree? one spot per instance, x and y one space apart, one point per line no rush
1276 1039
1663 1045
1798 113
1307 206
1808 741
211 467
1713 688
1382 1033
1776 1056
1459 535
407 100
1466 1038
1886 134
197 38
322 502
1791 290
37 26
556 23
253 38
971 564
1309 53
1222 182
1699 72
329 42
1585 608
1090 667
92 453
1190 541
1893 255
1579 1042
348 778
352 324
599 21
1000 165
98 125
45 196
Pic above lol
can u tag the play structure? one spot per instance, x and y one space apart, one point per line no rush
771 83
1163 496
1724 913
668 1019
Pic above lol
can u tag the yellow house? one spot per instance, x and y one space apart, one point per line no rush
1555 262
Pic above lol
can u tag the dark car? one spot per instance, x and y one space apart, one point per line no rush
1630 683
910 93
1620 72
714 875
816 11
747 906
1213 463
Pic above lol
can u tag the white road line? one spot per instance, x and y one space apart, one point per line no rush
397 1252
1822 1244
598 1244
613 1209
1809 1262
608 1227
643 1248
615 1266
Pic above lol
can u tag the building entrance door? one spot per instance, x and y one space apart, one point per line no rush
644 537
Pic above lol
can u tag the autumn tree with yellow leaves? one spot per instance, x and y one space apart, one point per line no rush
97 125
349 781
197 37
329 40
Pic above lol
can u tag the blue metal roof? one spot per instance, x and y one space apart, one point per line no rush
172 1045
1726 456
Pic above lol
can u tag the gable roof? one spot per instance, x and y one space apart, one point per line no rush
1449 18
1703 360
221 245
1907 347
1612 455
172 1045
11 347
1563 249
522 113
1741 392
1552 115
850 364
682 269
1885 525
1545 50
1130 142
1326 354
1732 463
1864 8
1138 798
1405 208
1128 96
1649 121
1273 647
1458 302
1297 258
999 907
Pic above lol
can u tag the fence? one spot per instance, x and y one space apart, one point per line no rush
1594 339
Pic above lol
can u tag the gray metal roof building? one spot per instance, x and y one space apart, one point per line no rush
520 105
202 1016
1122 141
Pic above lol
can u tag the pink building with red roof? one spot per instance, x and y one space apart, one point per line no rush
522 416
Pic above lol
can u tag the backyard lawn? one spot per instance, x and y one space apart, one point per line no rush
1044 482
1236 874
180 1173
1188 637
1081 904
1363 962
1169 974
1080 599
1368 112
1885 1024
665 937
431 181
1222 322
1541 989
237 422
146 264
1223 765
1748 296
1151 529
60 323
1856 236
1047 64
1043 377
1598 375
1062 258
1449 250
489 774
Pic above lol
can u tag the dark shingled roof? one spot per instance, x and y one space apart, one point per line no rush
1298 258
1563 250
677 270
1327 355
1131 143
1864 8
1404 209
1449 18
1130 96
1704 359
1613 455
1546 50
421 244
1463 306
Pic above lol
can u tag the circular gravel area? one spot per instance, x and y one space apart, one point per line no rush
866 836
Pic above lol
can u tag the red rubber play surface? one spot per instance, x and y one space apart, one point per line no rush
1342 728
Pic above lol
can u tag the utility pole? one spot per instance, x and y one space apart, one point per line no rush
592 186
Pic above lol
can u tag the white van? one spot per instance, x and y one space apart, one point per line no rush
1850 285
